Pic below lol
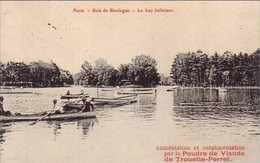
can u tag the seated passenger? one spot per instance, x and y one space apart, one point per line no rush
81 92
87 106
2 112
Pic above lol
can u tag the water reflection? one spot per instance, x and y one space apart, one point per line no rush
57 127
231 109
194 95
213 94
223 96
3 129
168 118
209 96
145 107
85 125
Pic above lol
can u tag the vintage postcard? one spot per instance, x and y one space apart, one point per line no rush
129 82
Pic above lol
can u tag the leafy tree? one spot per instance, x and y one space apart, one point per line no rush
228 69
87 73
38 73
141 71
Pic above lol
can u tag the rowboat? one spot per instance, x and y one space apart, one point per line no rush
56 117
73 96
115 101
108 89
138 89
125 92
190 104
72 105
128 99
173 88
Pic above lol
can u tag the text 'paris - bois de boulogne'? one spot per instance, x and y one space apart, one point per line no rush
119 10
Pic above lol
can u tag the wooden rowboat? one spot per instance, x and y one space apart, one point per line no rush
128 99
108 89
126 92
35 117
173 88
74 96
136 89
71 106
115 100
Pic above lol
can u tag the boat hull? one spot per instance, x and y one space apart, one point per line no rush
135 92
126 99
115 101
108 89
56 117
74 96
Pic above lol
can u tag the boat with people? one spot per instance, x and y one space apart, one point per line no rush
74 96
69 96
85 111
121 100
51 117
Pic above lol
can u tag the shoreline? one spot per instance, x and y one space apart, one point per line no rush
174 87
239 87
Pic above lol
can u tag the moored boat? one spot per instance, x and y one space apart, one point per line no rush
115 101
121 100
108 89
35 117
173 88
127 92
137 89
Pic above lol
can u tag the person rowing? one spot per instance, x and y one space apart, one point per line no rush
81 92
45 114
87 106
2 112
53 111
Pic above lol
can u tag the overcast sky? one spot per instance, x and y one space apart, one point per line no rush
32 31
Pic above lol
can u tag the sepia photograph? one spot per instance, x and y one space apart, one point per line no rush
129 82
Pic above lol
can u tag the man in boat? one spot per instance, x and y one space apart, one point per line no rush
81 92
2 112
54 111
87 106
68 92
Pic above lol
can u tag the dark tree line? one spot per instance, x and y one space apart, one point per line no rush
38 74
141 71
228 69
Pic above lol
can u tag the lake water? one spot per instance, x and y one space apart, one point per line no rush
131 133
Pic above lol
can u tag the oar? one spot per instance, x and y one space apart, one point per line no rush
54 102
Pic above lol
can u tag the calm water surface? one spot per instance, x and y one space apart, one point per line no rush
131 133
